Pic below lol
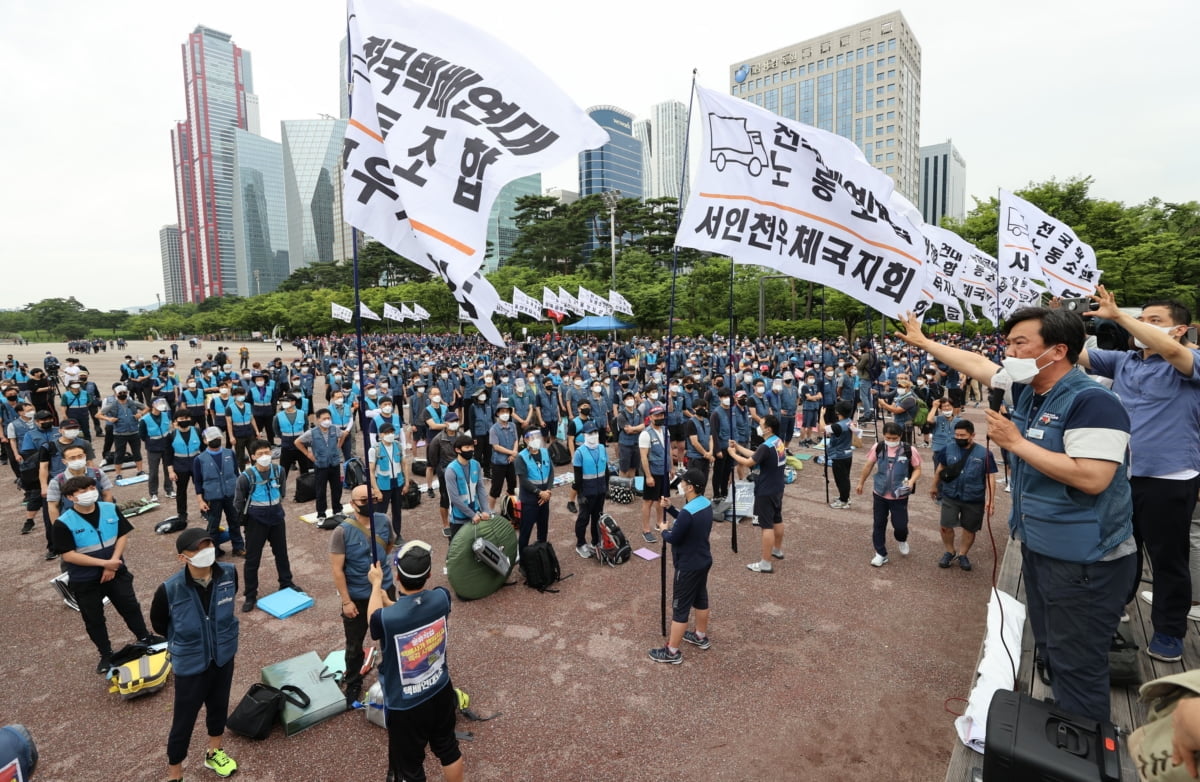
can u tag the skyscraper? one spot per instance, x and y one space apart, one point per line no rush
312 168
862 82
172 264
260 224
943 183
502 231
217 78
664 139
616 165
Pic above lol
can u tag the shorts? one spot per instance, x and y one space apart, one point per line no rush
769 510
676 433
629 457
690 591
443 495
810 418
956 513
653 493
432 723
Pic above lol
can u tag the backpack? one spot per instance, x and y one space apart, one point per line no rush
306 487
411 497
139 670
620 490
559 453
353 473
921 416
906 448
510 508
539 565
613 549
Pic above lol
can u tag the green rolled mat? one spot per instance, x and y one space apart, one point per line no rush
470 578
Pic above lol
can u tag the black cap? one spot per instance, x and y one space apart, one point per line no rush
191 538
413 560
695 478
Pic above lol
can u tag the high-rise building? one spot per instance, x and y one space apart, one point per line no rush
172 264
502 231
260 227
862 82
564 197
312 167
343 77
616 165
664 141
943 183
217 79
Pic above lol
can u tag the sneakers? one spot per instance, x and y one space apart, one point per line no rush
353 695
51 555
839 504
904 548
152 640
1008 486
963 562
420 443
239 552
171 493
664 655
585 551
219 762
649 537
1125 617
696 640
1166 648
879 560
446 532
946 560
27 527
105 664
154 498
572 507
760 567
777 553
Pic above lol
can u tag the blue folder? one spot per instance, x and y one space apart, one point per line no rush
284 603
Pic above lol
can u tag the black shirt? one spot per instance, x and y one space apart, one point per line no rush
64 540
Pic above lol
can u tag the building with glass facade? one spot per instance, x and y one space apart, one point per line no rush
502 231
664 142
862 82
217 79
172 264
616 165
943 183
260 228
312 168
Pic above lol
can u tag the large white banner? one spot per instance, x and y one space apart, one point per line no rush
365 311
1037 246
506 309
391 313
619 303
443 117
570 303
342 313
407 314
593 303
423 314
550 300
803 201
525 304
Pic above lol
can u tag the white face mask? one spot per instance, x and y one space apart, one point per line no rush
504 417
435 399
534 443
263 461
630 403
758 430
389 438
286 405
948 413
724 401
76 465
203 558
1164 329
595 389
88 497
777 386
224 392
592 438
452 426
653 395
386 409
1024 370
325 423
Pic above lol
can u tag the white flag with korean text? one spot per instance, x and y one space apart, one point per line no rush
420 313
506 309
803 201
619 303
550 300
407 314
1035 245
342 313
391 313
570 303
525 304
593 303
365 311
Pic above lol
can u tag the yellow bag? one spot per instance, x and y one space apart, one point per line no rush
141 676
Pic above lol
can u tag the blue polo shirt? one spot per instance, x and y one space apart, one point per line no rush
1164 411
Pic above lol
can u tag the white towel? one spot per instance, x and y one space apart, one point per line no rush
995 667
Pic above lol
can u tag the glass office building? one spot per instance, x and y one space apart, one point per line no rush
862 82
664 142
943 183
616 165
260 228
502 231
172 264
312 167
217 79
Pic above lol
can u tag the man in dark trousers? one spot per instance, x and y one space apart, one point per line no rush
260 496
194 610
692 557
417 692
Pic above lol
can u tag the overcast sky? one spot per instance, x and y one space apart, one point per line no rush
1027 90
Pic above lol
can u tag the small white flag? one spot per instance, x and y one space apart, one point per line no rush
406 313
420 312
570 303
593 303
550 300
1036 246
619 303
391 313
342 313
505 309
365 311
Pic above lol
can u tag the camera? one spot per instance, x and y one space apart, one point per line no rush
1080 305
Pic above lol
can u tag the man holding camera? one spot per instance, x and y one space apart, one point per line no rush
1159 384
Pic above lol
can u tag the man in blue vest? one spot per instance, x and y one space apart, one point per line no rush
259 497
322 446
418 696
770 458
464 485
123 413
1072 510
535 476
216 483
91 539
692 558
590 465
965 475
155 430
655 461
194 610
183 446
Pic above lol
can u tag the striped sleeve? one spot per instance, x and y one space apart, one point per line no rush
1096 426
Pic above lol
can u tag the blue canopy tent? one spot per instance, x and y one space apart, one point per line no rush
598 323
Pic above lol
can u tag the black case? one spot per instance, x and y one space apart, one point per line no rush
1029 740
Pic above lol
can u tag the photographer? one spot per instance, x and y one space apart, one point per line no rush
1159 384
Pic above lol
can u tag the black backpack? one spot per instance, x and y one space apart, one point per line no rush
353 473
560 454
613 549
539 565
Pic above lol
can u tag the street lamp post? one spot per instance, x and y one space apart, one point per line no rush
611 197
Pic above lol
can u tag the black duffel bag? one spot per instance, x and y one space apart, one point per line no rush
259 709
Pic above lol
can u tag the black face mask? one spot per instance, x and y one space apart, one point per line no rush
702 412
962 443
12 398
362 509
214 444
467 455
584 412
46 427
122 396
182 424
657 421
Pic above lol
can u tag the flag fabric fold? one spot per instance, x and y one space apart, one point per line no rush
342 313
1036 246
619 303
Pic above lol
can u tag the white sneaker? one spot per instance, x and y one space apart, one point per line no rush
1008 487
584 551
879 560
904 549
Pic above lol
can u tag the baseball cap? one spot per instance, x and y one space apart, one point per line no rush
213 433
191 538
44 415
120 389
696 478
656 410
451 417
413 560
590 426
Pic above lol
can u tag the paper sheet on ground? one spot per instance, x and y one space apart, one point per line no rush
995 669
647 554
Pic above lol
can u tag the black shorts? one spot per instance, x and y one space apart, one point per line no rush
690 591
769 510
676 433
432 723
652 493
628 457
955 513
444 498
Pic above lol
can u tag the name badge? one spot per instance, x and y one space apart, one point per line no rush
1034 434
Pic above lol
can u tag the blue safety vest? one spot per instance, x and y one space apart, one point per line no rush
466 488
198 636
385 457
99 542
414 639
593 464
359 555
969 485
264 489
539 472
703 435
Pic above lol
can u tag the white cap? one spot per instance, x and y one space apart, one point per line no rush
213 433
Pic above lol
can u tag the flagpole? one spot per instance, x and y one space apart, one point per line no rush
731 487
821 422
362 375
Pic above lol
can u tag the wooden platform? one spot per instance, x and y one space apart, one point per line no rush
1128 711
